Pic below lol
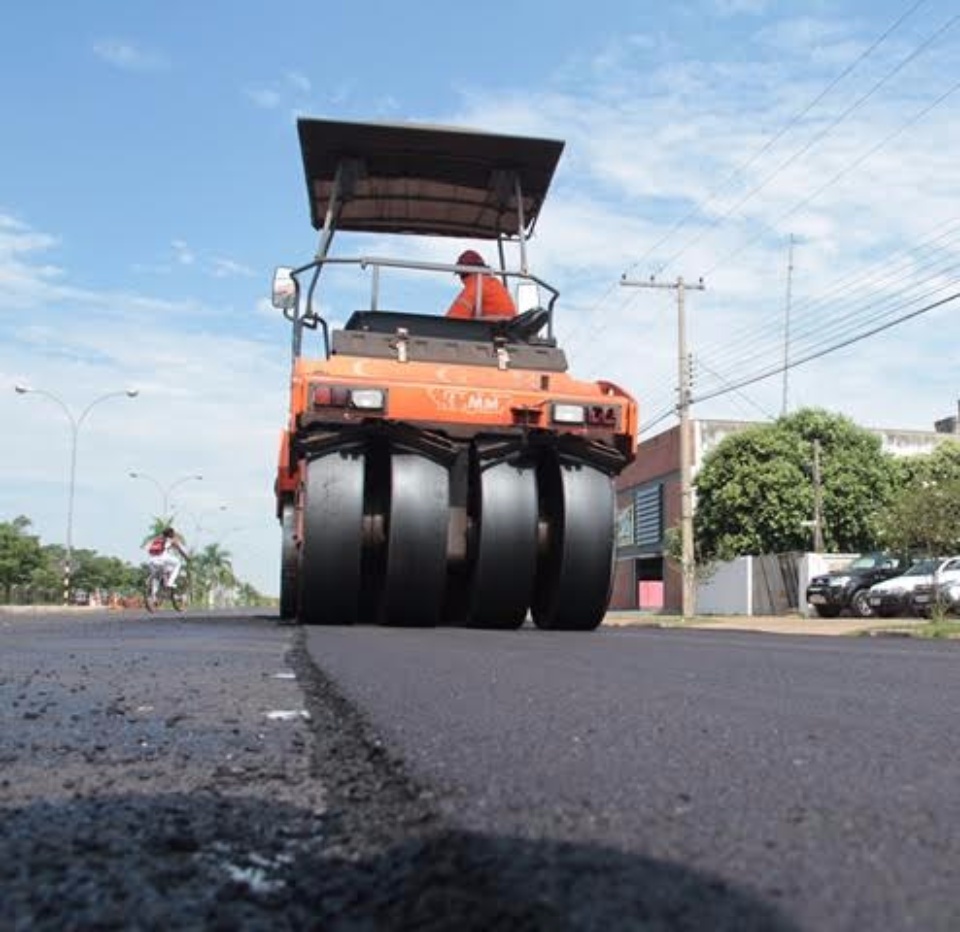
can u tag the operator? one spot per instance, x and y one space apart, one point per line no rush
483 297
165 551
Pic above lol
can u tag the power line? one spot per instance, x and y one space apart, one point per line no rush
698 209
854 164
816 138
830 349
858 161
847 313
855 331
931 261
624 305
883 273
701 364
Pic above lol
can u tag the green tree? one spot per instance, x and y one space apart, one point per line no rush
20 554
924 517
95 572
755 489
942 465
46 581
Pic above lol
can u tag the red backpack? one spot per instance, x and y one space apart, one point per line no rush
157 546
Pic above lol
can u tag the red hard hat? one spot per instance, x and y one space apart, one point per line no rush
470 257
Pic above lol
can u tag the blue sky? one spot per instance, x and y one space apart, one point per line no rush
151 181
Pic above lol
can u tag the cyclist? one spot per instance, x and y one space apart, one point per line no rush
165 551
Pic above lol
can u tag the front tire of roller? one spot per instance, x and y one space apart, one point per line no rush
416 559
575 570
332 539
505 561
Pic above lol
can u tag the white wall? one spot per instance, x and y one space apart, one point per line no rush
729 590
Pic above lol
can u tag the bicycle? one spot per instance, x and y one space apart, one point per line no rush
157 588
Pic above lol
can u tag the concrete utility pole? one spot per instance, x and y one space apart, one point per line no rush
688 597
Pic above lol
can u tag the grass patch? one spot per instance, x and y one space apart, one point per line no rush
937 628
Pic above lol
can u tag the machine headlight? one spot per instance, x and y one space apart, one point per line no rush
370 399
568 414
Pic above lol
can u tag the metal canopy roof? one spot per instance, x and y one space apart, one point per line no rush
426 180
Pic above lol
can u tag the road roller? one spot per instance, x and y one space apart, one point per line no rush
436 470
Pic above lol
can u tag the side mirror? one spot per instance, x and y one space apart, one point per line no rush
284 289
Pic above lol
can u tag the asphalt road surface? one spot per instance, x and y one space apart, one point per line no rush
227 772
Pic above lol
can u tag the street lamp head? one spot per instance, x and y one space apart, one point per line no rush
133 392
21 389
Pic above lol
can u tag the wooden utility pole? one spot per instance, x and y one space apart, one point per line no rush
688 587
817 501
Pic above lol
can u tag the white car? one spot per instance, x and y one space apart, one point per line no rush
892 596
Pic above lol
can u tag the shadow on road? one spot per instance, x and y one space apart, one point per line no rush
210 861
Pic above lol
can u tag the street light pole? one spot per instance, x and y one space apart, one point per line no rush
75 423
165 490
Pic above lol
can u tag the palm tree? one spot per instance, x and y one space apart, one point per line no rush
211 569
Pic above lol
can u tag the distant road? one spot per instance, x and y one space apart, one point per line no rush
165 769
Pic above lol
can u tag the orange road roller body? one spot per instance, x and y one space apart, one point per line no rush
433 470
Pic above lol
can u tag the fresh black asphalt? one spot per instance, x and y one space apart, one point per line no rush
170 772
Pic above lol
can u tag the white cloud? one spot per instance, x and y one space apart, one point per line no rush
210 402
128 56
290 91
264 97
298 81
183 253
225 268
737 7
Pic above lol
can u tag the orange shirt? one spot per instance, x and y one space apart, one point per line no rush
496 300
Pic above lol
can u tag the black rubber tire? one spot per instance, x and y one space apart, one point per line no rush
827 611
859 604
504 514
329 570
151 601
416 558
289 561
575 573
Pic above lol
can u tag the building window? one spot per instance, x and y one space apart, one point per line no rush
648 516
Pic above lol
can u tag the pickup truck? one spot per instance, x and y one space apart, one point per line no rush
831 593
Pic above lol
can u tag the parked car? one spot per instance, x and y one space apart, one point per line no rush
943 594
894 597
831 593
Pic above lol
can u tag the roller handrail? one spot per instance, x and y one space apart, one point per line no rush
310 320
